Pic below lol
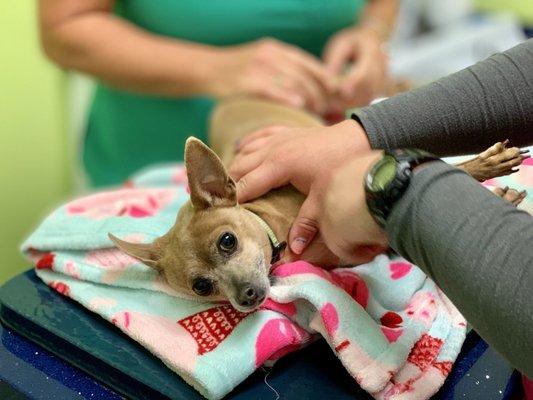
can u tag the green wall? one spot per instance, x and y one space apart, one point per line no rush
521 8
33 156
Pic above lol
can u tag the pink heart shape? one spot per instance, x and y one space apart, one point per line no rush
399 269
392 335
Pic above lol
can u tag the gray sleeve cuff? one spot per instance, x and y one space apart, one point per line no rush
462 113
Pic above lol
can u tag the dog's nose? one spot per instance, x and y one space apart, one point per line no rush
251 295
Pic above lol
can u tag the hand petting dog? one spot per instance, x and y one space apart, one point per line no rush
328 165
302 157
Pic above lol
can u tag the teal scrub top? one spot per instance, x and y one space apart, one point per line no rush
127 131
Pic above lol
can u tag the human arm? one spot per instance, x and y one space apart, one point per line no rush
465 112
474 245
86 36
462 113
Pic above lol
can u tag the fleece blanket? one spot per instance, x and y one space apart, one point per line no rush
390 326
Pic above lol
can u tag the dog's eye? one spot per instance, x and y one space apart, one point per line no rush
227 242
202 286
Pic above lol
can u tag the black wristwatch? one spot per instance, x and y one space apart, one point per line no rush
389 178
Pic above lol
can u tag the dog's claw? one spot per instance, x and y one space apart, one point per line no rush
513 196
497 160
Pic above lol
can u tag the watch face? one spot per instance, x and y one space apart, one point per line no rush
383 174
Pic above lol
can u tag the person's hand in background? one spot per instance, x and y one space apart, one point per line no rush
302 157
356 57
275 70
345 223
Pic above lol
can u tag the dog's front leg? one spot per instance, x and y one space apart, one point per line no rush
497 160
511 195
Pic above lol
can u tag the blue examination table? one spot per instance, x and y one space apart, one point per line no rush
52 348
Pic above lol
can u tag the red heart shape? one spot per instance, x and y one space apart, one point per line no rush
391 320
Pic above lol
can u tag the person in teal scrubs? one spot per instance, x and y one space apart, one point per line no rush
162 64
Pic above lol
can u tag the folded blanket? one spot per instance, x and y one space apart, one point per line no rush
391 327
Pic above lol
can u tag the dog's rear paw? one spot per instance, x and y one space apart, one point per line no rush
513 196
497 160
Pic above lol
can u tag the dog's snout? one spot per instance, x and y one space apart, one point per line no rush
251 295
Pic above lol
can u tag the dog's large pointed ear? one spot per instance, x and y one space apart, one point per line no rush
209 182
147 253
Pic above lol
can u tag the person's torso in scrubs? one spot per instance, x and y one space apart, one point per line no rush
127 131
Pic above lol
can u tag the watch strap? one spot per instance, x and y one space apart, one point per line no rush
380 203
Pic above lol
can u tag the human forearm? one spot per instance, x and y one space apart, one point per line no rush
463 113
117 52
85 35
380 16
477 248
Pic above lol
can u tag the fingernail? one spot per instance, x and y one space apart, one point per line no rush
524 151
298 245
506 142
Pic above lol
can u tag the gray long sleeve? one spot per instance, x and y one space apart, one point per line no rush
465 112
477 248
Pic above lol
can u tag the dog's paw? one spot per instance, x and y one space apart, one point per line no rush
513 196
497 160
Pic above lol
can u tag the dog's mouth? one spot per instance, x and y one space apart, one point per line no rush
247 309
248 294
252 300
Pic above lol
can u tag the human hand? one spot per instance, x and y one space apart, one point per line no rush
302 157
275 70
345 223
366 77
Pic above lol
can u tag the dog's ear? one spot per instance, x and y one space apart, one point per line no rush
210 184
147 253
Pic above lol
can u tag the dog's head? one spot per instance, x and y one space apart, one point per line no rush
216 249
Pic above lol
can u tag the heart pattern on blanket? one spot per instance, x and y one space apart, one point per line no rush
46 261
134 203
399 269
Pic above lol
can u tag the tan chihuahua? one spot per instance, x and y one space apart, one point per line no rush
220 250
